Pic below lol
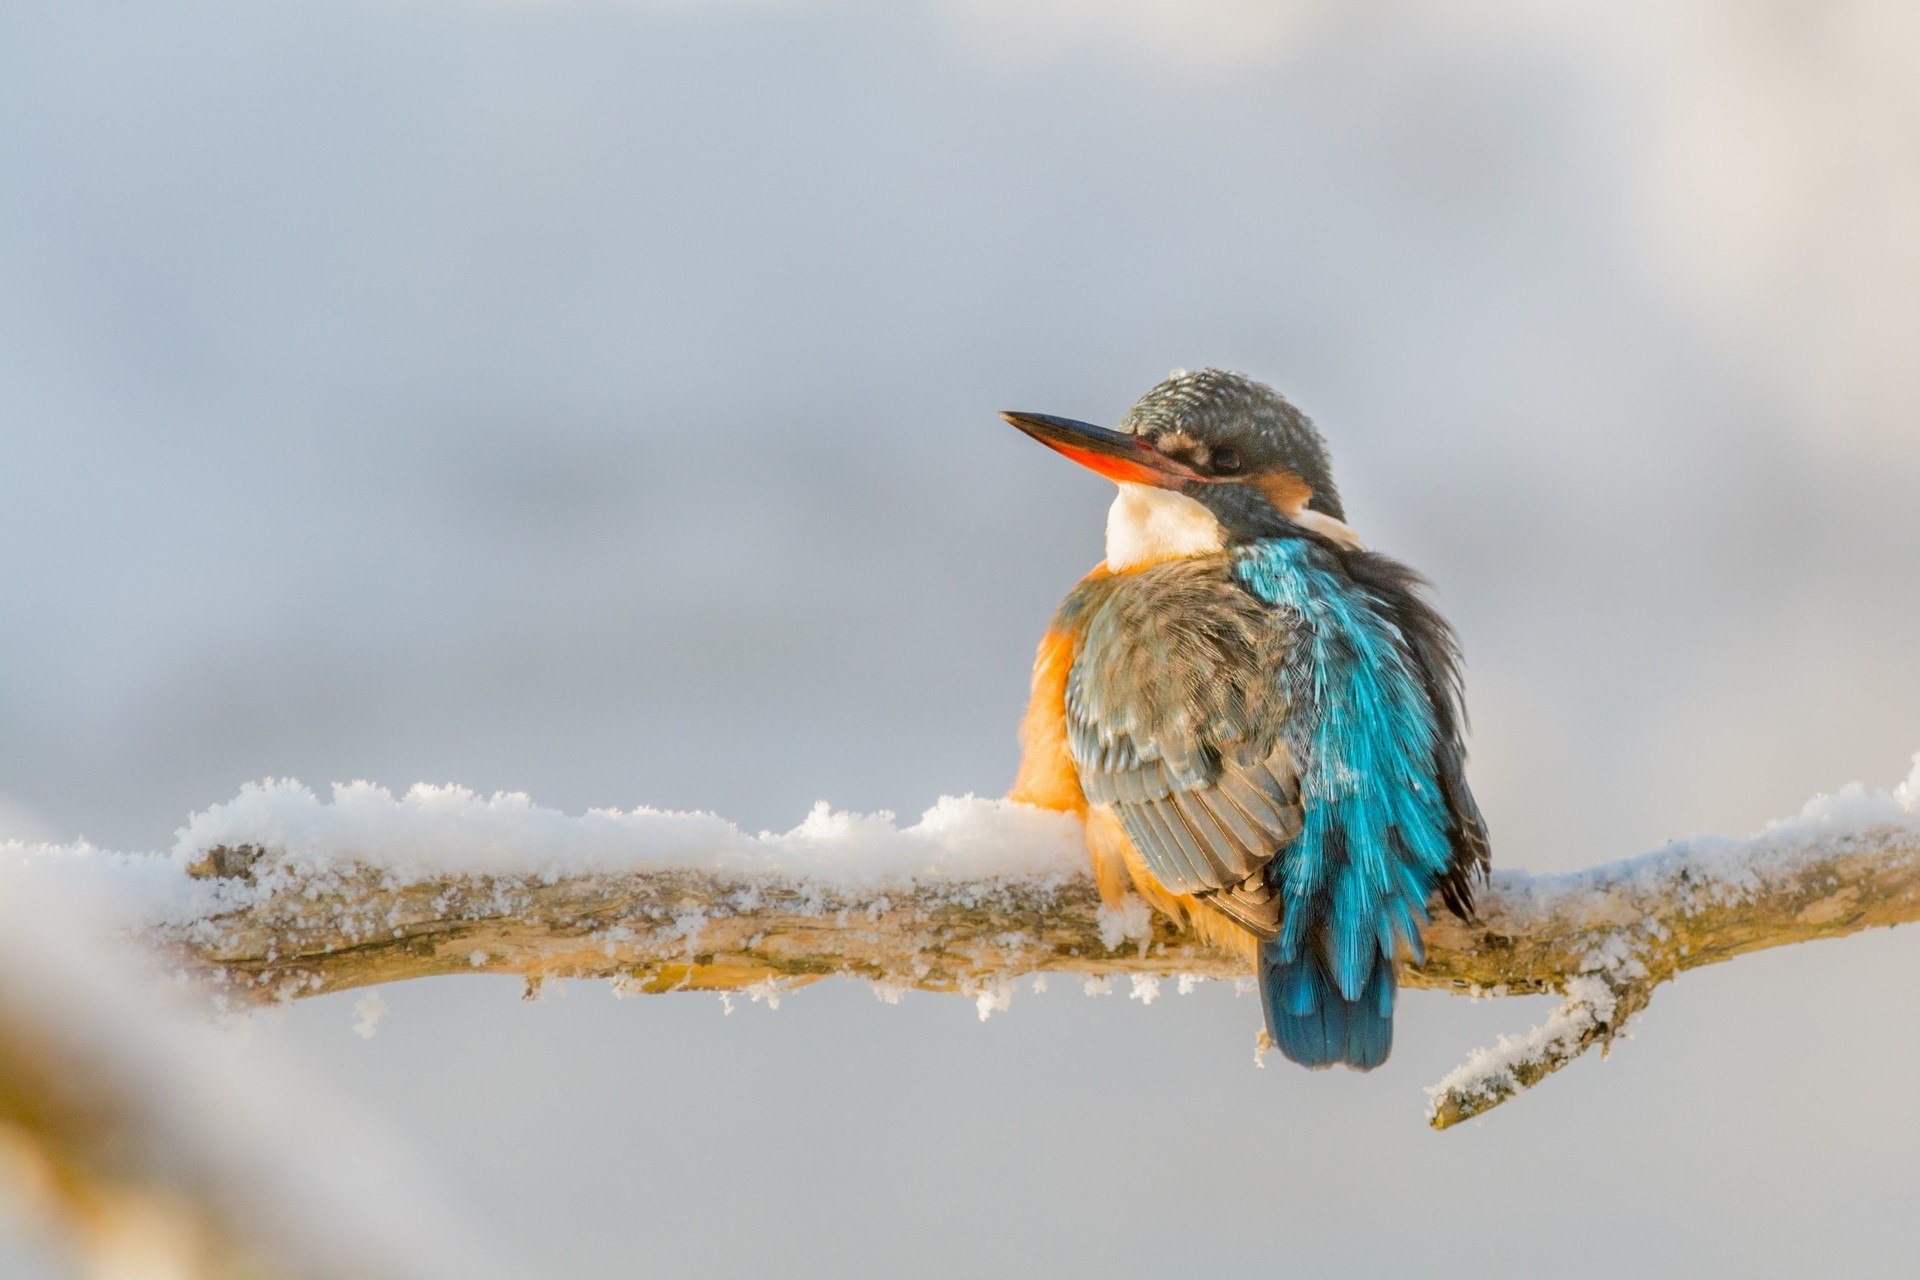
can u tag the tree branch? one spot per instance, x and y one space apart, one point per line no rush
277 922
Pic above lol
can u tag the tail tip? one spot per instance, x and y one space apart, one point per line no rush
1312 1024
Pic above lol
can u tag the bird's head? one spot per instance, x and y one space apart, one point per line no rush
1204 460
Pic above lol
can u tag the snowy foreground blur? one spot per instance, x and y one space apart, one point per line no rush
141 1149
129 1128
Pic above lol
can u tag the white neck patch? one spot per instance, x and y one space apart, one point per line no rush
1329 528
1147 525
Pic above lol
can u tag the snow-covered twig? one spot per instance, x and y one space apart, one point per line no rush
281 895
1596 1008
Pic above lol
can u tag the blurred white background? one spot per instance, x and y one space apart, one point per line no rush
597 399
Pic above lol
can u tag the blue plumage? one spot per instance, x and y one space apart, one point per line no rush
1374 840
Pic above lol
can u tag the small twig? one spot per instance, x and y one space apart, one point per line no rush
1598 1007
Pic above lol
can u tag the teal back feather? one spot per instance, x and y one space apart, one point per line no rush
1374 841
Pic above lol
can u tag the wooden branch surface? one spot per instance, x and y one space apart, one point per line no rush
1627 926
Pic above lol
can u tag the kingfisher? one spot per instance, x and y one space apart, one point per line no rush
1258 718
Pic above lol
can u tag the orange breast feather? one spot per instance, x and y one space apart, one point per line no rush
1048 778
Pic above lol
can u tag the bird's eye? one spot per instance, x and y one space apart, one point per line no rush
1226 460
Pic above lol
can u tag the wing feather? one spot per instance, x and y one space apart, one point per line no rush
1172 852
1249 840
1229 862
1176 704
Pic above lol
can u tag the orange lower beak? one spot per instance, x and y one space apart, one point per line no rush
1114 454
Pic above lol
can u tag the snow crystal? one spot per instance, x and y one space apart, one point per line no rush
1146 988
1187 984
1908 792
1133 920
367 1012
688 925
994 999
1613 955
887 992
1098 986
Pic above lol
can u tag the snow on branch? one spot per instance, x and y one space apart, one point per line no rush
280 895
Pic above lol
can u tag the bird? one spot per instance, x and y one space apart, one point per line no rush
1260 719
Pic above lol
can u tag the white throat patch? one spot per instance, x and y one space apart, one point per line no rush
1147 525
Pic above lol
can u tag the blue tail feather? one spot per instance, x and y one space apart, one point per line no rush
1312 1023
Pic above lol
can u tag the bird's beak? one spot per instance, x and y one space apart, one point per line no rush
1114 454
